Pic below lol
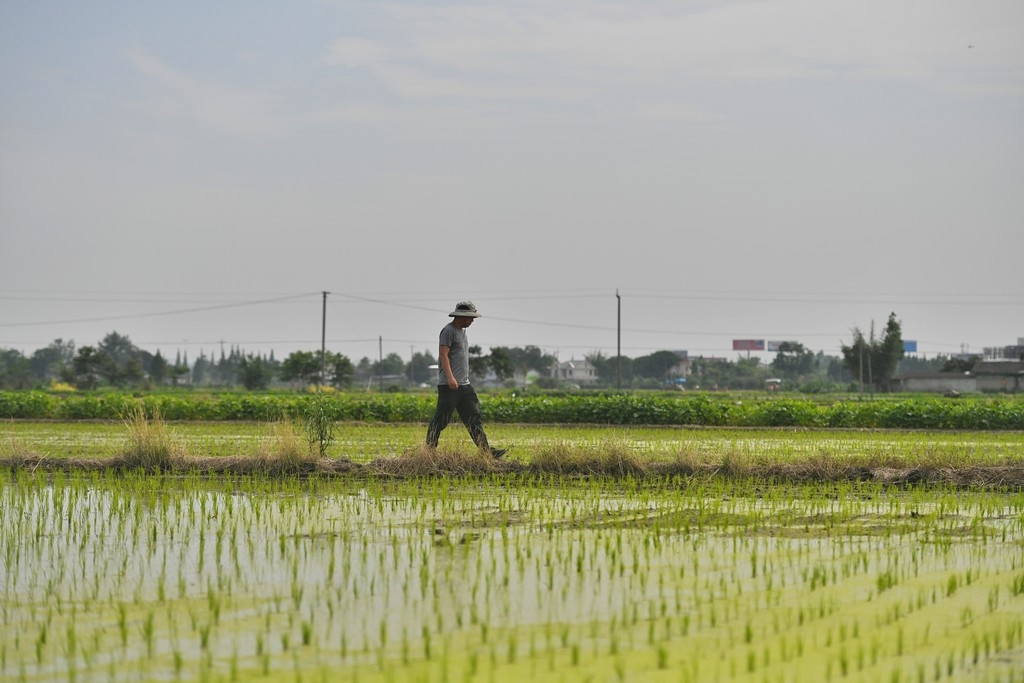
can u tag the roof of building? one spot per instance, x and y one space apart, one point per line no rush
999 368
933 375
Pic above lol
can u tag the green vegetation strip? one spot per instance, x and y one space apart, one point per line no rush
129 576
754 410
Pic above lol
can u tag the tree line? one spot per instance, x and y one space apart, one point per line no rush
869 361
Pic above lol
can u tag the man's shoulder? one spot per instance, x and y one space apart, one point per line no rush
450 332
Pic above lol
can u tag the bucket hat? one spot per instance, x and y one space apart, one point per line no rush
464 309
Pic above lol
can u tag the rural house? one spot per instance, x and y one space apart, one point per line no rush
580 372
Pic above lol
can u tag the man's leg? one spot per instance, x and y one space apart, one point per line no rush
469 412
447 399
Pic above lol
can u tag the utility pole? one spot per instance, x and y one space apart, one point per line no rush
323 342
861 365
618 347
871 379
380 354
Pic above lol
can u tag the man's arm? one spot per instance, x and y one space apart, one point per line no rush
446 365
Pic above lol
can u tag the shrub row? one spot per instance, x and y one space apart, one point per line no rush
618 409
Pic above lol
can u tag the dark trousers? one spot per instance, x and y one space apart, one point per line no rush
465 401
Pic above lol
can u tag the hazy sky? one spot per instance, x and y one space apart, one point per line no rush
190 173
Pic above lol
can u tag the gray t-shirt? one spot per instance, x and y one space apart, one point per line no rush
458 354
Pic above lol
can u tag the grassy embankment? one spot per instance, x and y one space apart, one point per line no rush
358 449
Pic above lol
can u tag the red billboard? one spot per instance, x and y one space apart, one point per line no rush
748 344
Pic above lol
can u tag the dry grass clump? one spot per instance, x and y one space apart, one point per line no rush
823 465
424 461
612 459
287 449
14 450
149 444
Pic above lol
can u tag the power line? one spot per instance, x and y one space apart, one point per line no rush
157 313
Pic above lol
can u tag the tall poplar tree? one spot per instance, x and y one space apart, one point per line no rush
874 361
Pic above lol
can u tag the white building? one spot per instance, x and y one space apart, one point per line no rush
580 372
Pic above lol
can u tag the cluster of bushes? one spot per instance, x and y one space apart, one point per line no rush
619 409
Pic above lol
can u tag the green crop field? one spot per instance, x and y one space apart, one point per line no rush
530 572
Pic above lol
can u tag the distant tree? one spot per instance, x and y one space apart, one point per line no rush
837 370
793 361
45 364
227 367
302 367
919 364
656 366
202 371
891 351
132 372
479 364
89 366
340 370
254 372
747 373
501 362
158 368
744 373
178 372
392 364
364 371
119 348
15 370
857 357
523 359
709 373
50 362
607 369
875 361
420 371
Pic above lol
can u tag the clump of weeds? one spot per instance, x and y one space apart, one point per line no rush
149 445
287 449
422 460
15 451
611 458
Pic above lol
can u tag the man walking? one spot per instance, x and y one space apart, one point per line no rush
454 391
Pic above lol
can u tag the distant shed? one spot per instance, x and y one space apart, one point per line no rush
936 382
1000 376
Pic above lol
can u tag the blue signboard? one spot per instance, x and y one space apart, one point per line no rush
909 346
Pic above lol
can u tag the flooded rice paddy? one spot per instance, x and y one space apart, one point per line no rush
142 577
